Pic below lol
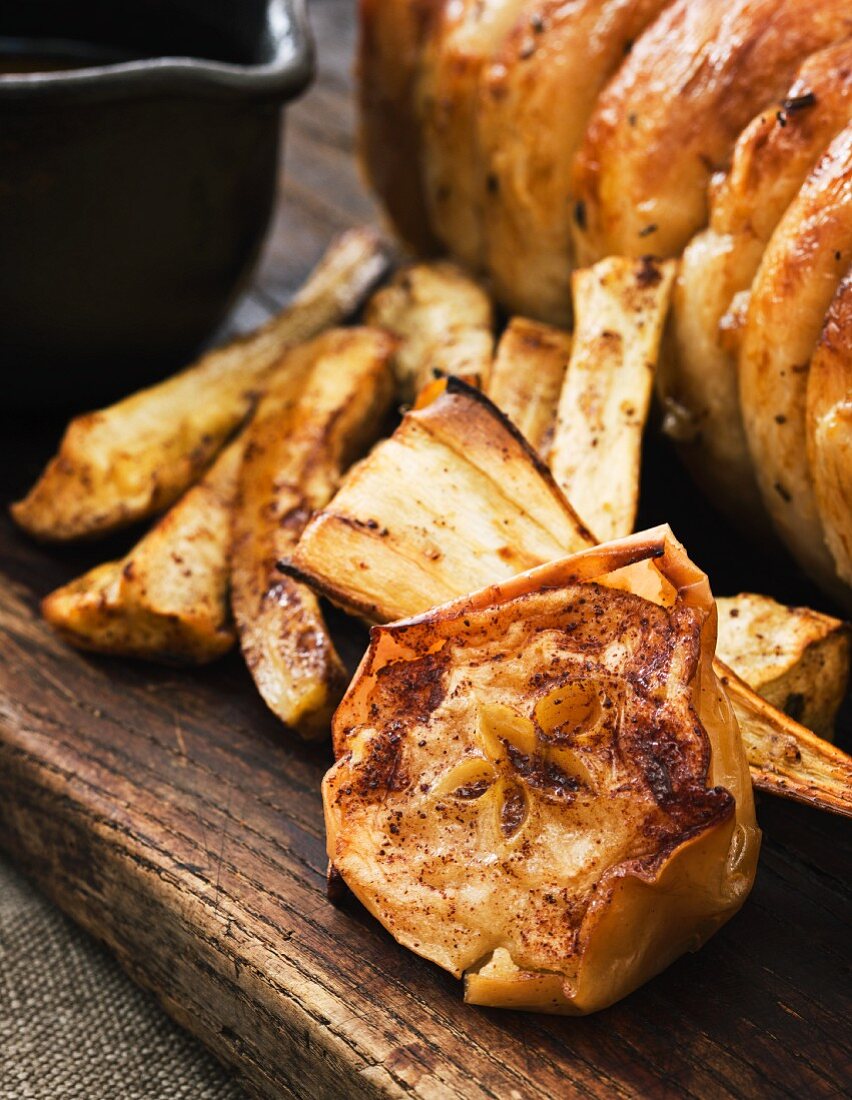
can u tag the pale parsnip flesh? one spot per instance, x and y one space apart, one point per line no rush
620 308
795 658
453 499
527 376
444 322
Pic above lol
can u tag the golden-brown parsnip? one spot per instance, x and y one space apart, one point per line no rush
620 306
541 786
454 496
167 600
390 49
324 407
785 758
135 458
444 322
795 658
808 255
771 160
527 376
829 427
672 113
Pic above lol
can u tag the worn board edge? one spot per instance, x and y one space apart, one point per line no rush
52 819
63 832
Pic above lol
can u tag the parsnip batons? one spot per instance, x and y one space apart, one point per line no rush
620 307
326 406
785 758
527 376
444 322
167 600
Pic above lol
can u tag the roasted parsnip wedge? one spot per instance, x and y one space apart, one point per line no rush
167 600
797 659
135 458
541 787
324 407
620 306
416 524
443 319
785 758
453 499
527 377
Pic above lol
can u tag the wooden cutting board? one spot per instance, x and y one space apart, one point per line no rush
173 817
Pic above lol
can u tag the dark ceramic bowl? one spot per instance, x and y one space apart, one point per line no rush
137 180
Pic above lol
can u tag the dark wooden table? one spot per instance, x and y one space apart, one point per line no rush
171 815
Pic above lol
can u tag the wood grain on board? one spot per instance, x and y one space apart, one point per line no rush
173 817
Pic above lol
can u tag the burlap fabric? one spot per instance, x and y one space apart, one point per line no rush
74 1027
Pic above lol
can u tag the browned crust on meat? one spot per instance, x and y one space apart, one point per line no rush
392 38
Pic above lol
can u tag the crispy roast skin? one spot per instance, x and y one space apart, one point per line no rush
530 775
670 117
808 255
131 460
507 91
829 427
535 100
463 36
326 406
771 160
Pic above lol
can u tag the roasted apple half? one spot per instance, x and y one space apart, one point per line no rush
541 787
